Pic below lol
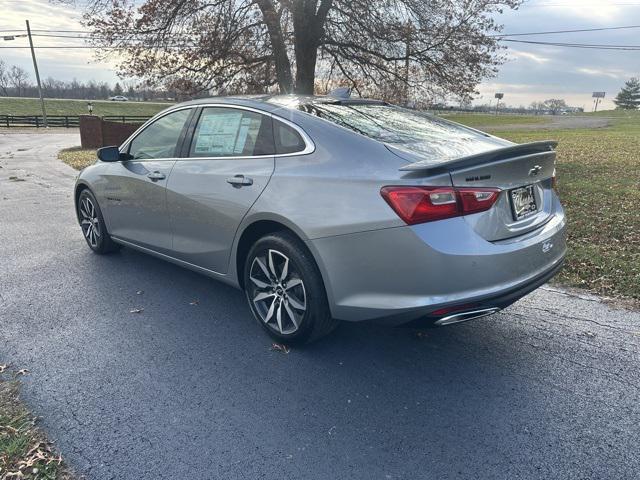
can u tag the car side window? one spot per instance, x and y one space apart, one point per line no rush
160 139
232 132
288 140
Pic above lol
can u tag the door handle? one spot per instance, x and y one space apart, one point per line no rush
240 181
155 176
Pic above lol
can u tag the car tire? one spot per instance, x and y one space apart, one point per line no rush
285 290
94 230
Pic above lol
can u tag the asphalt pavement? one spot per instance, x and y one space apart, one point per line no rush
190 389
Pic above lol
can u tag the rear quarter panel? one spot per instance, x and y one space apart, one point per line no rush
336 189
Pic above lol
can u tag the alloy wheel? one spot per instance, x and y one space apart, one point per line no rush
277 292
89 221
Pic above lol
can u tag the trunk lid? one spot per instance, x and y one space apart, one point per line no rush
523 173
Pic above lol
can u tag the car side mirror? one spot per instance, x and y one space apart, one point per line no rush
111 154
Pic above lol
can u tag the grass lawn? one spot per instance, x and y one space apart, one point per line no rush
31 106
599 184
78 157
24 451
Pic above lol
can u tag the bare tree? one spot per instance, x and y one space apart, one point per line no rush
4 78
538 107
254 45
555 105
18 79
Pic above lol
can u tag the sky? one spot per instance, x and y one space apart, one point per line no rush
531 73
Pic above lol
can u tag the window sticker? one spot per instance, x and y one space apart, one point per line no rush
217 133
229 133
242 135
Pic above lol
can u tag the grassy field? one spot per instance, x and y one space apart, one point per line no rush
31 106
24 451
599 184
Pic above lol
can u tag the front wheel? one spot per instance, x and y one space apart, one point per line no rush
285 291
92 223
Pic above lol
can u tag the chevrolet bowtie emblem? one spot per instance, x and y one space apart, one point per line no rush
535 171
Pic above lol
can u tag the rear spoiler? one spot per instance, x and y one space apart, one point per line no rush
431 167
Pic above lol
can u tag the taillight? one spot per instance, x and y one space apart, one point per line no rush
476 200
426 204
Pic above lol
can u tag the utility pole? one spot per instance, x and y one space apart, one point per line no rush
35 67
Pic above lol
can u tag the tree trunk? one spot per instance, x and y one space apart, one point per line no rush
281 60
308 27
306 57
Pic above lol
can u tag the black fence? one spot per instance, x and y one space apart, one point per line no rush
125 118
64 121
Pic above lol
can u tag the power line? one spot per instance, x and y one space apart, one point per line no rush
109 48
156 47
573 5
552 32
577 45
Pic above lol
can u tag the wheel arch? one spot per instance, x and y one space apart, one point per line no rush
261 226
79 188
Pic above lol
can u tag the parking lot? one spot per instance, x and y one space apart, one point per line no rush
190 387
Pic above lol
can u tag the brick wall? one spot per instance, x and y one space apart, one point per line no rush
96 133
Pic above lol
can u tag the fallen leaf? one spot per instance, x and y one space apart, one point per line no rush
195 302
139 292
3 368
17 474
22 371
277 347
136 310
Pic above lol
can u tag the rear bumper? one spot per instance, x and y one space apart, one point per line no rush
497 302
397 275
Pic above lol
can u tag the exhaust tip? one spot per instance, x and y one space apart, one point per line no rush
465 316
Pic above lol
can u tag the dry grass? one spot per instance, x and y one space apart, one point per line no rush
78 157
25 453
599 184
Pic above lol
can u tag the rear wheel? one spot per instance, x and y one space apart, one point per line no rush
285 291
92 223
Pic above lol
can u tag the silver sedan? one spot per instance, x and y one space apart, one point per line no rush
325 209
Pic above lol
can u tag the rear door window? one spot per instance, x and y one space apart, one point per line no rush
231 132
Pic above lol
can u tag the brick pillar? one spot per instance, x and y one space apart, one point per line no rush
90 131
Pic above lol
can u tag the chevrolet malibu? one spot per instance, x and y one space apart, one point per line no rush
325 209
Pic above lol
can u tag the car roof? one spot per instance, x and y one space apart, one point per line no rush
271 103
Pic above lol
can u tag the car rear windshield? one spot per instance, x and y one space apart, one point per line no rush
411 130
